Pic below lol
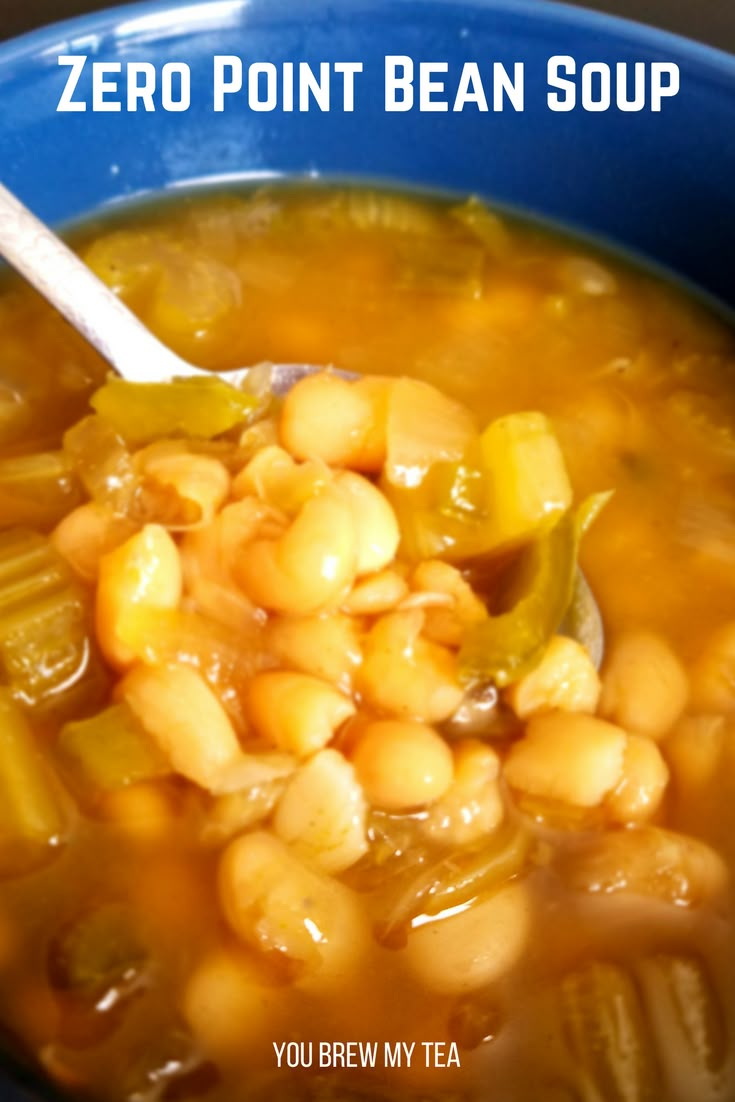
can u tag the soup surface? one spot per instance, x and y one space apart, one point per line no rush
310 786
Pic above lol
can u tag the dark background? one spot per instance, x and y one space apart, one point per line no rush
711 21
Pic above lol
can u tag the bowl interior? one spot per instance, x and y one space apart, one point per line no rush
657 183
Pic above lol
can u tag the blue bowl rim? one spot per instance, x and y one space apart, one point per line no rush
105 20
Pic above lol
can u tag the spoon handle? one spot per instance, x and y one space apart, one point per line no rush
67 283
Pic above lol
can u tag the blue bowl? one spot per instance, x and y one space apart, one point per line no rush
658 183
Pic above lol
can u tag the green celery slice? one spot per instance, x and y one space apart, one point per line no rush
107 751
504 647
31 820
200 406
47 654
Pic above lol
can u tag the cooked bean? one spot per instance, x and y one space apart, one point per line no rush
402 764
713 674
184 717
229 1004
311 566
639 793
375 522
376 593
321 813
644 685
86 534
274 477
564 679
447 624
295 711
286 910
472 806
326 645
646 861
143 571
198 480
569 757
209 554
466 951
342 423
407 675
181 713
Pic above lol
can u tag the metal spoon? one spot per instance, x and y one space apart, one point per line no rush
97 313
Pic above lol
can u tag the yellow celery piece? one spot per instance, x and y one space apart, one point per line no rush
107 751
201 407
31 819
479 494
527 482
504 647
47 657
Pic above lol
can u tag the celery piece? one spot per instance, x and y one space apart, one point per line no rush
97 951
107 751
204 407
608 1035
37 489
473 495
527 482
504 647
102 461
47 655
31 820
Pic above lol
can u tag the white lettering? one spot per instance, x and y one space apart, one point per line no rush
181 101
566 64
429 88
470 88
309 85
638 102
348 69
77 63
660 89
144 91
101 88
398 83
503 86
268 70
227 78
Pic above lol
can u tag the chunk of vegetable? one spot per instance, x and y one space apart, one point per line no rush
32 824
607 1034
37 489
687 1012
108 751
527 483
503 648
47 655
102 461
424 427
473 494
189 407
